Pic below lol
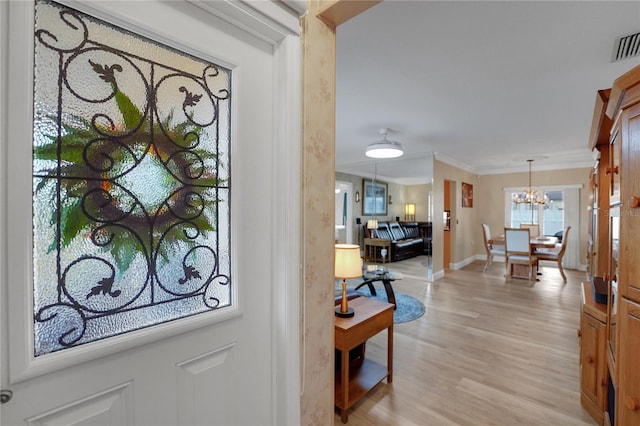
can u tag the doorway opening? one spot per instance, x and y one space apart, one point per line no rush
343 213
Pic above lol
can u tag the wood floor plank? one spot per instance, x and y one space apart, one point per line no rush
486 352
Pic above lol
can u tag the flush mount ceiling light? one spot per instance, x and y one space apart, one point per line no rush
384 148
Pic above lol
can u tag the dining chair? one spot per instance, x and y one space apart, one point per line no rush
518 251
488 246
534 229
555 256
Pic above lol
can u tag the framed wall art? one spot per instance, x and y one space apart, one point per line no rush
467 195
375 198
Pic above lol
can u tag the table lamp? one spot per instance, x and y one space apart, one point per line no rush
348 265
409 212
372 225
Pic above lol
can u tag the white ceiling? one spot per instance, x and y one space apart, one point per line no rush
484 85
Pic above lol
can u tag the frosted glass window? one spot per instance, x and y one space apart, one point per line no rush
131 181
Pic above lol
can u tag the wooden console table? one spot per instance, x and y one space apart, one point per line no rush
355 379
370 245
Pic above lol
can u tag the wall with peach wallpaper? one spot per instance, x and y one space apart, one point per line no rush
318 179
318 166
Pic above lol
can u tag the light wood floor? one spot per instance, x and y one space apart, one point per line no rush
486 352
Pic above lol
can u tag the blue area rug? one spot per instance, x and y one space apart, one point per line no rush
408 308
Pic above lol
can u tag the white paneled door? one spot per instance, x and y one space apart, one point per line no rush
232 366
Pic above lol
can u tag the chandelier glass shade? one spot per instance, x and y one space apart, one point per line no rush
530 195
384 148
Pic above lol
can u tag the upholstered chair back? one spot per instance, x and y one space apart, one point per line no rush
396 231
383 231
411 230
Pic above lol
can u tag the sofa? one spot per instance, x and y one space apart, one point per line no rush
408 239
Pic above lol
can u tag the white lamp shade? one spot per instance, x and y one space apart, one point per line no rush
348 263
410 209
372 224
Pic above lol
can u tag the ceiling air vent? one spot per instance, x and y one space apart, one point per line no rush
626 47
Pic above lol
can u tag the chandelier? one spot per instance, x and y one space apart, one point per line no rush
530 195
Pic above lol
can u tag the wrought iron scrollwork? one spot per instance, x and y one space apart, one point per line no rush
129 158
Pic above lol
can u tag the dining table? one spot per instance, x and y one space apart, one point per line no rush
540 242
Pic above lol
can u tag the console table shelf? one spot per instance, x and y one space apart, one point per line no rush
362 378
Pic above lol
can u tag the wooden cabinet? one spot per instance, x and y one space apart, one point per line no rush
593 355
623 317
618 169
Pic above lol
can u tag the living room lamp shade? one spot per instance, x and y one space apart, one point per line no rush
347 265
409 211
372 225
384 148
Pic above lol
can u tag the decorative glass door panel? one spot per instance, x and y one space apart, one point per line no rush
614 167
612 279
131 189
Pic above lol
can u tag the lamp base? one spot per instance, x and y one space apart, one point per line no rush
350 312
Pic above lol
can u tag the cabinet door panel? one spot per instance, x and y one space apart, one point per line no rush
630 213
592 359
628 403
